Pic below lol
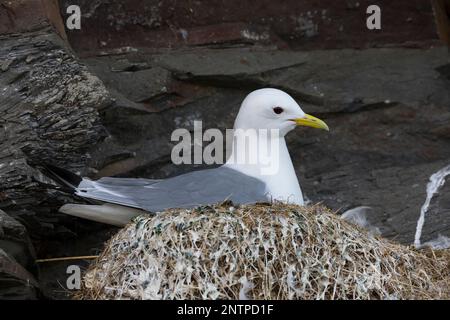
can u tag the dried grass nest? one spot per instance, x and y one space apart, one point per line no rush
260 251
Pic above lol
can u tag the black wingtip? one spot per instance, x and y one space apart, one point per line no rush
62 176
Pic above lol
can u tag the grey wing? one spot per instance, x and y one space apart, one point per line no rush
113 190
184 191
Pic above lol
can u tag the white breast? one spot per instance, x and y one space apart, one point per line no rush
275 170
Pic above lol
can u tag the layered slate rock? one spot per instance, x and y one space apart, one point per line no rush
49 115
49 105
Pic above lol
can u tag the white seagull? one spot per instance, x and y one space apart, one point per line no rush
271 113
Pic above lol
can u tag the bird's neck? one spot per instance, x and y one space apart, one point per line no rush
266 157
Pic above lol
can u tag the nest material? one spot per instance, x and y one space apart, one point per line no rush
260 252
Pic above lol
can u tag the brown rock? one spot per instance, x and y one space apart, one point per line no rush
151 24
30 15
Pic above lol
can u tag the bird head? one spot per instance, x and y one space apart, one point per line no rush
274 109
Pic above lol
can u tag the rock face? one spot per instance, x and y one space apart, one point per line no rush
14 239
26 16
115 26
16 282
16 261
49 115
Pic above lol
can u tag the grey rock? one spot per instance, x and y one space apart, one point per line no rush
326 81
49 114
16 283
229 64
139 86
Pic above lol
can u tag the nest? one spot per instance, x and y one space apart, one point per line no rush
260 252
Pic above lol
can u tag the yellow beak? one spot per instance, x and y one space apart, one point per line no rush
310 121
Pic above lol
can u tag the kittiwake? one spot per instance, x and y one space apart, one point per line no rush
271 113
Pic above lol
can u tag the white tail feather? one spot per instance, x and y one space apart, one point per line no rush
107 213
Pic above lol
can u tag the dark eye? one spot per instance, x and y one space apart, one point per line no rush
278 110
